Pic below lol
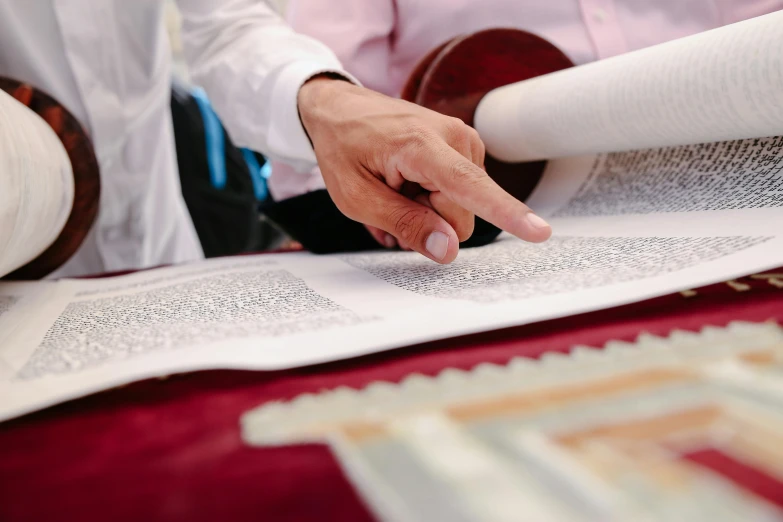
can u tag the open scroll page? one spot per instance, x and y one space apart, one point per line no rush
628 226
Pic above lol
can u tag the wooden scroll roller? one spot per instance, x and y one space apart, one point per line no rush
454 77
86 178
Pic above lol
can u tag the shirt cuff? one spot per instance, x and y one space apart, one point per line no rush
287 136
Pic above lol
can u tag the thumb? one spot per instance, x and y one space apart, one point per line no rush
413 224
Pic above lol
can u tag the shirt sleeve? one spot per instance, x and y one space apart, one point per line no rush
252 66
358 31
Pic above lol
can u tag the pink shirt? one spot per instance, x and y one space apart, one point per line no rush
381 41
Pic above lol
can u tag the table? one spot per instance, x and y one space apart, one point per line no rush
170 449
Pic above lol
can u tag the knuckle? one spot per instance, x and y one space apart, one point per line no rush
419 136
457 131
464 174
408 223
475 139
473 134
455 126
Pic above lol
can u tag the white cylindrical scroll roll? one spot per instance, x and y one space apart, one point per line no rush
36 185
723 84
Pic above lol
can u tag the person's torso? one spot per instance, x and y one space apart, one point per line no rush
108 62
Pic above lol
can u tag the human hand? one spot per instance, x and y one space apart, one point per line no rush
371 147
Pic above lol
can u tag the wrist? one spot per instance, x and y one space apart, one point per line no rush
317 93
313 90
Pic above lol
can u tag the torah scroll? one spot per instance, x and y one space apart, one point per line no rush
50 182
724 84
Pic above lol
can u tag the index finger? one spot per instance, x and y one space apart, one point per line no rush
471 188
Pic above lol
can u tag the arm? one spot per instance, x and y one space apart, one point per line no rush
359 32
261 76
252 65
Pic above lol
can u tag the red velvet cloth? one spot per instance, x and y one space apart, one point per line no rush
171 449
758 481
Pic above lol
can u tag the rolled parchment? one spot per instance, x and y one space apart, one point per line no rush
36 185
723 84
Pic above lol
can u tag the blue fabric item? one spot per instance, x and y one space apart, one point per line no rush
258 174
215 140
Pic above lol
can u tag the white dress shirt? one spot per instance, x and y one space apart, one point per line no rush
108 62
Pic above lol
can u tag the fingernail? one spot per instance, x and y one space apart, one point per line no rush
389 241
437 244
536 221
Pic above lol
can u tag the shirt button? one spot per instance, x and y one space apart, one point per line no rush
599 15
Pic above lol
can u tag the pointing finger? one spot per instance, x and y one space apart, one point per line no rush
471 188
